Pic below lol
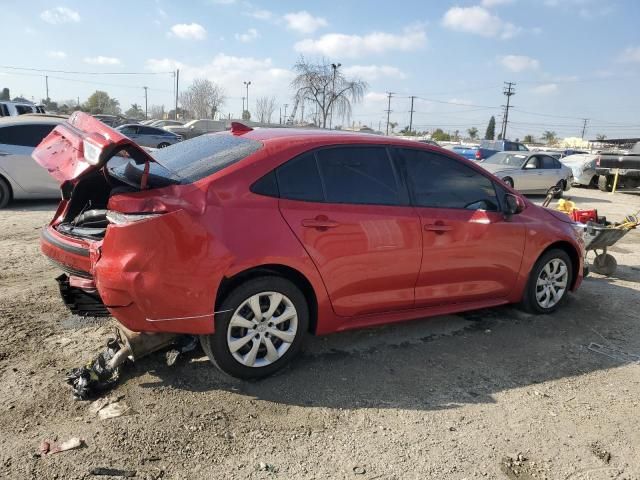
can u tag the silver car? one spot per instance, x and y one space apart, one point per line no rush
166 123
20 176
147 136
583 166
529 172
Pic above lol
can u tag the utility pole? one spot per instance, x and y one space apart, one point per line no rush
508 92
389 95
242 107
46 82
246 84
146 116
280 115
285 112
177 90
411 115
584 126
335 67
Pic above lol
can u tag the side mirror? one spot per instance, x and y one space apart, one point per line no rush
192 127
513 204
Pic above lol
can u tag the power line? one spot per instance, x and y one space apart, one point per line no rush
82 73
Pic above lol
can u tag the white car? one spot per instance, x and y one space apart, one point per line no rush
583 166
11 109
529 172
20 175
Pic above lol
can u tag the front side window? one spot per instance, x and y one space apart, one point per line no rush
437 181
358 175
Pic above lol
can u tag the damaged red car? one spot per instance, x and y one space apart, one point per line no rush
253 239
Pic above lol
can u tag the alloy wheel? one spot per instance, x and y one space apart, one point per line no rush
551 284
262 329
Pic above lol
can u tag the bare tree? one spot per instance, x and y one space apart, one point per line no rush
156 111
325 86
203 98
265 107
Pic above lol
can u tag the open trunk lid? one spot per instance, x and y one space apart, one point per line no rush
80 145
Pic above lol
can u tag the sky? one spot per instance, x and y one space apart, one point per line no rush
570 60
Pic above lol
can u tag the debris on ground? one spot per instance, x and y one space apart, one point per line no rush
600 452
183 344
359 470
96 376
521 468
113 410
266 467
47 447
614 353
113 472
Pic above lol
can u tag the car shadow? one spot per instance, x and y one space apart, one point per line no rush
434 364
31 206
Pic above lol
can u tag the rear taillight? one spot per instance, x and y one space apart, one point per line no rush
478 155
118 218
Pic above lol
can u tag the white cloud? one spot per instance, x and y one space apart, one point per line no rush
545 89
479 21
304 22
378 97
230 71
59 54
248 36
58 15
224 2
630 55
260 14
519 63
494 3
339 44
100 60
188 31
373 72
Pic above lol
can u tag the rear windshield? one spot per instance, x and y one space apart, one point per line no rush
205 155
187 162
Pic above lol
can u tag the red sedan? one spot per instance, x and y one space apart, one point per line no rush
254 238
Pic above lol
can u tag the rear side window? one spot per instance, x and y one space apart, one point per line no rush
205 155
358 175
548 162
298 179
440 182
24 135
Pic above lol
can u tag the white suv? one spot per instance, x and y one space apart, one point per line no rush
11 109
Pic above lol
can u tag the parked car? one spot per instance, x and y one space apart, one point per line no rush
166 123
148 122
195 128
531 172
254 238
494 146
472 152
114 120
583 166
147 136
626 162
11 109
20 176
430 142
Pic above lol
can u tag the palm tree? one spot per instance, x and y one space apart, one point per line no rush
473 133
600 137
550 137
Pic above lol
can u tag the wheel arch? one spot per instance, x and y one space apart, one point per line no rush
295 276
570 250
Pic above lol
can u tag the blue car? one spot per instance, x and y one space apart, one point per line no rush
473 153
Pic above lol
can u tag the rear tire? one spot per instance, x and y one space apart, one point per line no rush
249 343
549 282
163 145
561 185
604 184
5 193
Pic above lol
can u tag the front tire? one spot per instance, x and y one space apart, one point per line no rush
261 328
549 282
5 193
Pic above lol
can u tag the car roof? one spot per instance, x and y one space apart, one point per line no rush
37 118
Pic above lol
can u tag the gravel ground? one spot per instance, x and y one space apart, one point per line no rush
488 394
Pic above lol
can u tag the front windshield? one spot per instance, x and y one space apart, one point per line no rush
509 159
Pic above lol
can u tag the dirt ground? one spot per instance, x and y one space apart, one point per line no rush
489 394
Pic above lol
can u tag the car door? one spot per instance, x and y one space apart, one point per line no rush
471 252
532 176
349 209
16 144
552 171
150 136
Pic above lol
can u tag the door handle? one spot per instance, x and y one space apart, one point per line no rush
438 227
321 222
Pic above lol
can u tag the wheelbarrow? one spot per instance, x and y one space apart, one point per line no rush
598 238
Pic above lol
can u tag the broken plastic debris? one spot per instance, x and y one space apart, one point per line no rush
113 472
96 376
47 447
113 410
184 344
